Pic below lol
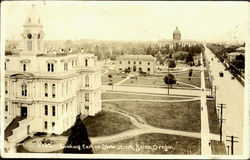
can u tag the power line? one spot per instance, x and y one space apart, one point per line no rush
232 143
129 23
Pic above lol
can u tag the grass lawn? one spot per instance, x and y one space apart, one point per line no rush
218 148
184 116
106 123
116 78
113 95
152 144
213 119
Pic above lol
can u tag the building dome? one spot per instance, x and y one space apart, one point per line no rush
33 17
177 34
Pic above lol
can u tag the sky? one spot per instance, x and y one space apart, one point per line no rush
128 20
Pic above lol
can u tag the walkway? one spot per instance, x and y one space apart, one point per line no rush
205 147
118 83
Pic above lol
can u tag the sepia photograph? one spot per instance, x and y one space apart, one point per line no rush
124 79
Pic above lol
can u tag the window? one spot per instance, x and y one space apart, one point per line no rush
87 97
128 62
46 110
24 67
148 63
87 81
86 62
120 62
148 69
53 90
48 67
6 107
5 65
53 124
67 88
45 125
66 66
6 87
140 62
53 111
52 67
24 90
86 107
72 63
62 89
46 89
134 62
76 63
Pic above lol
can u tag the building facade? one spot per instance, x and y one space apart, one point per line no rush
136 63
48 89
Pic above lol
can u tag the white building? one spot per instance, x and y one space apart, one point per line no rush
136 63
48 89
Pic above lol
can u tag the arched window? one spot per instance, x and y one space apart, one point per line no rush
24 90
87 97
128 62
87 81
66 66
53 90
48 67
46 89
6 87
86 62
24 67
148 69
38 44
29 42
46 110
52 67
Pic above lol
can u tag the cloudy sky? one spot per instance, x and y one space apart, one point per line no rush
219 21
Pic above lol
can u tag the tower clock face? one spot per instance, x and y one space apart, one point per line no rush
29 36
38 36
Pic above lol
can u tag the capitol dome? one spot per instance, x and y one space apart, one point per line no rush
33 17
177 34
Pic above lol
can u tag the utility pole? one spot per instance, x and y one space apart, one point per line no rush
232 143
168 74
221 119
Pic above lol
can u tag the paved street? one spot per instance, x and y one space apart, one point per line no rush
231 93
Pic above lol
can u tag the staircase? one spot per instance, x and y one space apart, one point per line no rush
14 124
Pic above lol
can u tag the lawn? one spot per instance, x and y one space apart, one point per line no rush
106 123
158 81
116 78
152 144
213 119
113 95
183 116
218 148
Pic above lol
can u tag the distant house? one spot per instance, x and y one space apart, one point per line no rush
136 63
231 56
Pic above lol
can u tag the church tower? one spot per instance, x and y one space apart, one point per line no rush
33 35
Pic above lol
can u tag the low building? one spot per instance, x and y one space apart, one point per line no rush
136 63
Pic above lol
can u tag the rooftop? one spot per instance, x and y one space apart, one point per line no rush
240 49
136 57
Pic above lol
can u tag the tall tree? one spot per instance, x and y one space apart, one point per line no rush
78 141
169 79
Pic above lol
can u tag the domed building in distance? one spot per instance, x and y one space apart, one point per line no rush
177 35
45 91
176 41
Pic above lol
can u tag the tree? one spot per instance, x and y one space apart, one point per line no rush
171 63
189 58
169 79
127 70
78 141
190 73
110 77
